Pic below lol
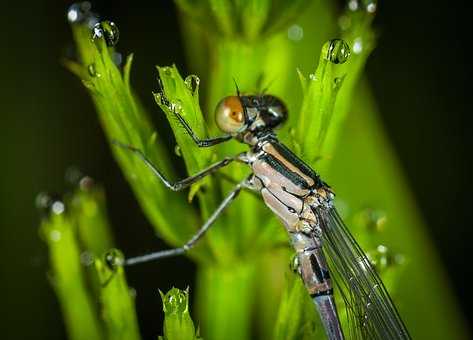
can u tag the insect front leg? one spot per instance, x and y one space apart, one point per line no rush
201 143
183 183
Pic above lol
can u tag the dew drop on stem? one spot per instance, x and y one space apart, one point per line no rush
92 71
106 30
80 13
49 204
192 82
370 6
338 51
357 46
177 151
114 258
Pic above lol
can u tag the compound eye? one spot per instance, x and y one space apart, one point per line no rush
229 114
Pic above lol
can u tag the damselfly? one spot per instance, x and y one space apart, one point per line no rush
326 252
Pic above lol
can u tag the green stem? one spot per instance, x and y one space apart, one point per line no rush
68 279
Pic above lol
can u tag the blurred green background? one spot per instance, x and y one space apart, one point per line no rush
419 74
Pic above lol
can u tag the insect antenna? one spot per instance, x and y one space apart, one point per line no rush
248 121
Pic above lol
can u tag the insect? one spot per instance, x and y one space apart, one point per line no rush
326 252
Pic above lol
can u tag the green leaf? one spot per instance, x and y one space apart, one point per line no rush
183 96
88 208
124 119
68 278
117 300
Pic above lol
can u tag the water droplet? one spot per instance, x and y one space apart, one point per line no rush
177 150
158 96
167 70
80 13
55 235
295 33
117 58
92 71
86 183
357 46
312 76
371 6
132 292
353 5
106 30
337 82
50 203
86 258
192 82
294 264
382 258
57 207
338 51
114 258
372 219
73 175
176 107
344 22
175 301
43 201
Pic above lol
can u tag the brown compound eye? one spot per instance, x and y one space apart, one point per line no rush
229 114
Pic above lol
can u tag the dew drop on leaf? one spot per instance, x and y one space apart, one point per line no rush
50 204
295 32
357 46
177 151
175 301
337 82
106 30
92 71
57 207
86 258
353 5
338 51
117 58
370 6
192 82
114 258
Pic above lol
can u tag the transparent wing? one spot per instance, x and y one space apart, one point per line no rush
371 313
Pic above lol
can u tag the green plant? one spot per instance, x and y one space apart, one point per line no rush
332 125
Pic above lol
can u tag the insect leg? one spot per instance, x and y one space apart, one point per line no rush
202 143
197 236
183 183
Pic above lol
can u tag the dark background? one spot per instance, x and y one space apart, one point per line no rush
420 74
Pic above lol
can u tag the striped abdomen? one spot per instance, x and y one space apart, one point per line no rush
288 187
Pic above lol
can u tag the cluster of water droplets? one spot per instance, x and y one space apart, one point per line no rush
345 21
370 6
53 204
383 258
77 179
81 13
50 204
372 220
